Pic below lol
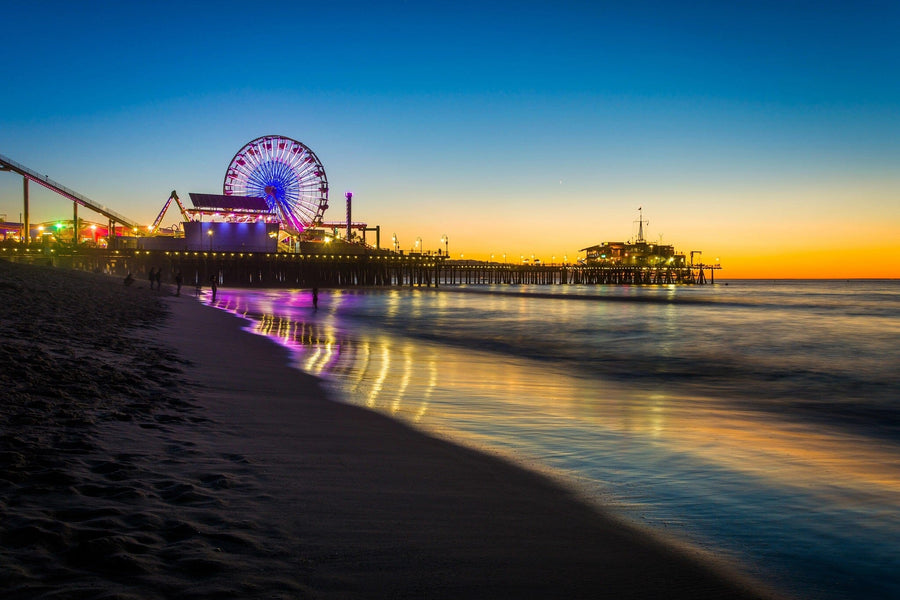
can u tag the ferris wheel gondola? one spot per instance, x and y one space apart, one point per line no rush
287 174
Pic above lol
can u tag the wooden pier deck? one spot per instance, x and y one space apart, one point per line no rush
289 270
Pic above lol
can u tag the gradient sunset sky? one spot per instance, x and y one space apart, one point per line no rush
763 133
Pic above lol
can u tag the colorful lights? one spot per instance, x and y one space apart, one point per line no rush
276 168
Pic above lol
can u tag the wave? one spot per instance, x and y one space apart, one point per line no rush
862 400
883 304
809 350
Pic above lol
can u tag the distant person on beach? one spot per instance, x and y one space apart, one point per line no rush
152 277
178 281
316 298
129 279
214 285
159 279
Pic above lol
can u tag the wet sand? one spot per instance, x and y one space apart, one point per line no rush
150 448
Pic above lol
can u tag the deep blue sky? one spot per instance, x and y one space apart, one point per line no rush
513 127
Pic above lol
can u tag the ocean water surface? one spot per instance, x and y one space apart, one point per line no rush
759 421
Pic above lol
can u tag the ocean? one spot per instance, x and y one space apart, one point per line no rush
755 420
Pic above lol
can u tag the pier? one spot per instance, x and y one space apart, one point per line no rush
346 263
296 270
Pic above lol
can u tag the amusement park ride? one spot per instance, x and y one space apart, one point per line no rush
272 179
173 196
287 174
25 231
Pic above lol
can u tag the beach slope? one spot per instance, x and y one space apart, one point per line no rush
151 448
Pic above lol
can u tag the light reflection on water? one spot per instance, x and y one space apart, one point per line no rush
787 496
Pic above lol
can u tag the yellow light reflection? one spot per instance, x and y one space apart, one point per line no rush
365 357
792 454
429 388
404 378
425 384
382 375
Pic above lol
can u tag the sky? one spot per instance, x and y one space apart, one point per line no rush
765 134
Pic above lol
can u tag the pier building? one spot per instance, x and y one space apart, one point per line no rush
643 262
638 254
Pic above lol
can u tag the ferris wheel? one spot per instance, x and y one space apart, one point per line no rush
286 173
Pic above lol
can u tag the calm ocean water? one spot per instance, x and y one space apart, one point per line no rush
757 420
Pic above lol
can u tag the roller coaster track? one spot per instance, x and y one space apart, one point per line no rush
7 164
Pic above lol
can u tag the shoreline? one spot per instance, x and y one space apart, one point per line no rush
246 480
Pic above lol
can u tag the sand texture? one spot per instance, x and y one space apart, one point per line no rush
150 448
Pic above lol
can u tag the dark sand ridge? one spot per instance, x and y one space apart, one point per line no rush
189 461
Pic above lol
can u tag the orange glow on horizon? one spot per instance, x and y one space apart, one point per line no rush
821 263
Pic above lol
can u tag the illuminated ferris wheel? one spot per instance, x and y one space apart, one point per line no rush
287 174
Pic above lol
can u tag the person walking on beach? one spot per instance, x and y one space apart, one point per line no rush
214 286
178 281
159 279
129 279
152 277
316 298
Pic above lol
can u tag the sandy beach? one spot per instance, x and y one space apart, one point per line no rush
150 448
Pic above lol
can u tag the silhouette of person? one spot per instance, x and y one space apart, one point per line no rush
316 298
214 285
129 279
178 281
152 277
159 279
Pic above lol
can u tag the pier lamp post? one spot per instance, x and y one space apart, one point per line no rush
209 232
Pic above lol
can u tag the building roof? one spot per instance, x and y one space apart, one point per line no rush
228 203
